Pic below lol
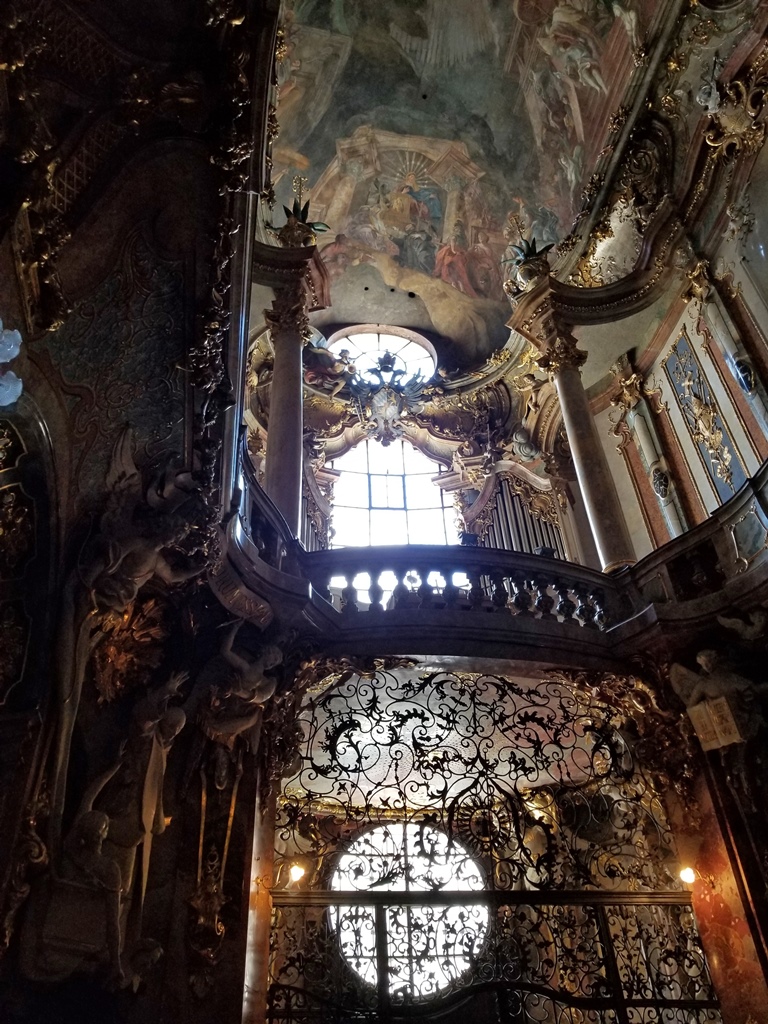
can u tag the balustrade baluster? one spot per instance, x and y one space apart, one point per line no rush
450 590
425 592
401 592
475 591
500 597
597 597
565 606
375 592
544 603
584 613
522 599
349 596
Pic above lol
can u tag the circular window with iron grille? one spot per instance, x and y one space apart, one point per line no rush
429 937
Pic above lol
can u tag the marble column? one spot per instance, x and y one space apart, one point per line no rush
256 981
659 475
287 321
563 361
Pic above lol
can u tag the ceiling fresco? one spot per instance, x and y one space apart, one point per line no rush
433 132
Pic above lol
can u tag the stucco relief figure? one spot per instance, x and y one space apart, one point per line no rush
73 921
134 800
329 371
138 539
718 679
229 698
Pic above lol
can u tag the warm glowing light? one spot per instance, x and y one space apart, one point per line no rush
688 875
296 872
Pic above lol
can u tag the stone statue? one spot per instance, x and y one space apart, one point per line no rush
231 692
73 921
717 679
137 533
135 799
751 630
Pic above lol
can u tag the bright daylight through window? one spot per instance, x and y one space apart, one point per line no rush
387 496
386 493
428 946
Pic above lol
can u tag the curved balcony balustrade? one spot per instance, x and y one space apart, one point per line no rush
476 602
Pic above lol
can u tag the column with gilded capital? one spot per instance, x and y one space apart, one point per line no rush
288 326
563 360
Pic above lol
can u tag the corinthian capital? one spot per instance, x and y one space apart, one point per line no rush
560 352
288 314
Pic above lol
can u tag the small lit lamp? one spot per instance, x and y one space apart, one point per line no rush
296 872
687 875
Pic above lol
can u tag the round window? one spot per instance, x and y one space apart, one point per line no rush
429 945
366 346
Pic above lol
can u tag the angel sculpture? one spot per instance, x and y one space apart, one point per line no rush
231 692
716 680
137 534
134 801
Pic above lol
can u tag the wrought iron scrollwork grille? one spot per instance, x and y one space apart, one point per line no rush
468 837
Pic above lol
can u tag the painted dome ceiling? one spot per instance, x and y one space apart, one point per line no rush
432 133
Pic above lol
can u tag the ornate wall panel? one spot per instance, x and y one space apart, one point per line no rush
704 420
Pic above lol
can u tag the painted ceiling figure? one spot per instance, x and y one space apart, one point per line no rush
427 198
456 31
366 226
484 269
451 267
417 250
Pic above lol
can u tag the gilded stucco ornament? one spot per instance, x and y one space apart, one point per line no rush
734 126
699 282
540 504
663 739
288 313
298 230
560 353
629 394
618 119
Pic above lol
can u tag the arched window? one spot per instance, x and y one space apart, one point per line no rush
388 495
387 491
